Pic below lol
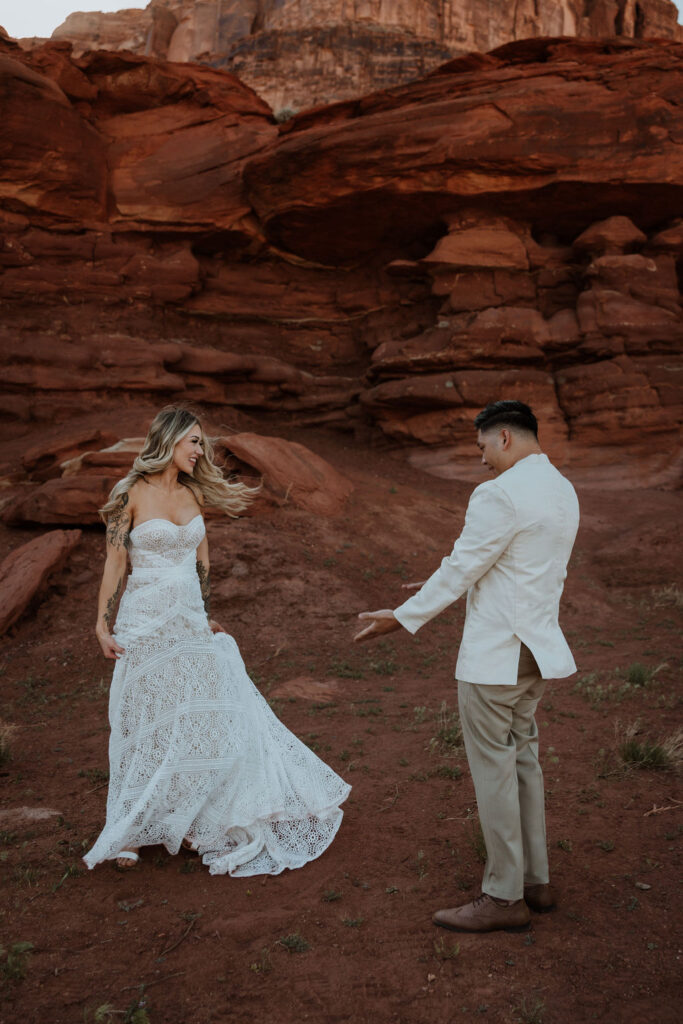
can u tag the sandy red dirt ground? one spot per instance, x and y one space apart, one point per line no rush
199 949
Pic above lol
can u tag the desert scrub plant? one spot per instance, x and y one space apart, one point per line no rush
136 1013
445 771
264 964
73 871
94 774
477 842
646 753
14 961
530 1012
641 675
344 670
670 594
27 877
384 667
606 844
596 693
294 943
7 734
445 952
284 114
448 739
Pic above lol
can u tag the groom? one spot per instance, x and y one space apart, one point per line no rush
511 559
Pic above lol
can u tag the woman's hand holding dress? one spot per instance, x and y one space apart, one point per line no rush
110 648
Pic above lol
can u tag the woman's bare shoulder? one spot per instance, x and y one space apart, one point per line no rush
135 492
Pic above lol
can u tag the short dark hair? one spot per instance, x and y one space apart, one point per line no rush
507 413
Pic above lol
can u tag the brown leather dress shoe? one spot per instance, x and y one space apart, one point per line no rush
539 898
485 915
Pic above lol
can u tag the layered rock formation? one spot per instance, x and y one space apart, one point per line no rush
299 54
506 226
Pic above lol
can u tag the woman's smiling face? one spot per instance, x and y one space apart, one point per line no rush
189 450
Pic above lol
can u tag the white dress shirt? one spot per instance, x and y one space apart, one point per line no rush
511 558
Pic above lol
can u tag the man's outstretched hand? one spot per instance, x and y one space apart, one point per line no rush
376 624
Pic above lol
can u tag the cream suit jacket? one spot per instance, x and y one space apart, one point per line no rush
511 558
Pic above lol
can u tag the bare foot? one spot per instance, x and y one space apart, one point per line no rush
187 844
127 859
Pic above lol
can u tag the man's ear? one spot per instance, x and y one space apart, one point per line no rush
506 437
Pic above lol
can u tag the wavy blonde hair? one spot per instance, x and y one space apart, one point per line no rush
207 483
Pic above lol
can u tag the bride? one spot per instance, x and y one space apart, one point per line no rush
196 756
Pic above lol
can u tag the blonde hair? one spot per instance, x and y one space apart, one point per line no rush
207 483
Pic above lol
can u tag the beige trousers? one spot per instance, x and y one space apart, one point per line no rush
501 740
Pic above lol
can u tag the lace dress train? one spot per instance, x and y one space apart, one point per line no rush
195 751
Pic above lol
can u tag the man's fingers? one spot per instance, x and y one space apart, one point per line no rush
382 621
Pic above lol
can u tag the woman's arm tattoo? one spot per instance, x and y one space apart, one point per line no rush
205 584
118 524
111 606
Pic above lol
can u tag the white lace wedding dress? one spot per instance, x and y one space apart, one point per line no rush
195 750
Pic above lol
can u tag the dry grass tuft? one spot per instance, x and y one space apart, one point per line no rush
7 734
448 739
646 753
670 594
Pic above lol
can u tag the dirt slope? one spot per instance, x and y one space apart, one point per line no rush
201 949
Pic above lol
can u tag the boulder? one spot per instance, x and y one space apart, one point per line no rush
70 500
292 472
26 571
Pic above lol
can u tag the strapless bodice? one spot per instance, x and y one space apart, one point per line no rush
159 544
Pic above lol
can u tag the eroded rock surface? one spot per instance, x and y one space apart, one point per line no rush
508 226
297 55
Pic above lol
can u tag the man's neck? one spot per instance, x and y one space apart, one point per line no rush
523 451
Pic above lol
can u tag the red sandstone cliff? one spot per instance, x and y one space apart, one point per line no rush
509 225
299 54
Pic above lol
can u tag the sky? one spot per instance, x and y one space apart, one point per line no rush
41 17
